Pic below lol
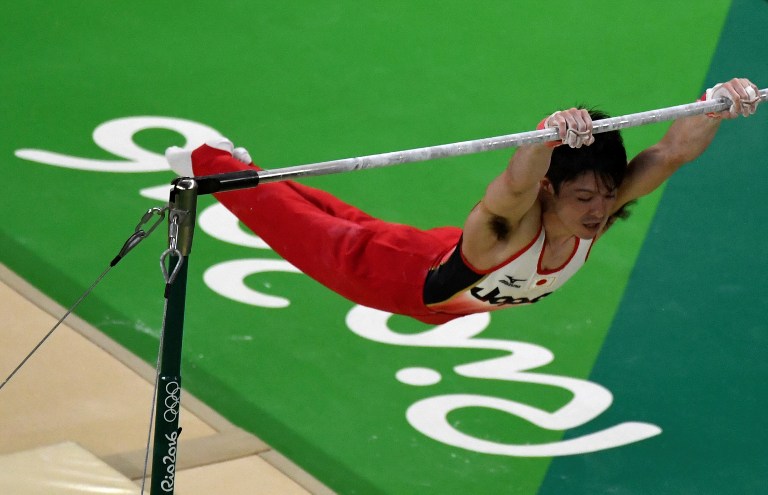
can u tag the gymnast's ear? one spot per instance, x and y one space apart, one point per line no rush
546 185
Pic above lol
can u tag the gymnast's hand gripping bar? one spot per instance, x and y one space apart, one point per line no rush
250 178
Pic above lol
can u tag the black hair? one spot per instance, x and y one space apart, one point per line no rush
606 157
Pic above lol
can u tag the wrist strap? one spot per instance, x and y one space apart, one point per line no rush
711 115
542 125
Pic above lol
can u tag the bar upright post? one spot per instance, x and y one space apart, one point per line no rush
183 205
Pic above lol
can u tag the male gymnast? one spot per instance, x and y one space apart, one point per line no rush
531 231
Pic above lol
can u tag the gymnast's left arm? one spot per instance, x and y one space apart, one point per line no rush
686 139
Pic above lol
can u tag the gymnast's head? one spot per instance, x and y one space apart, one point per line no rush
606 159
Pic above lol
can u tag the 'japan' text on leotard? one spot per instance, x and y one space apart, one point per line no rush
455 287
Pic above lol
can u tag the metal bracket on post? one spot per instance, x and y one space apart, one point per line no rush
183 207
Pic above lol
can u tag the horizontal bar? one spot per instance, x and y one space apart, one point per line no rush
242 180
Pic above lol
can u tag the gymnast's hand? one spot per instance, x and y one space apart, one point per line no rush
742 93
574 126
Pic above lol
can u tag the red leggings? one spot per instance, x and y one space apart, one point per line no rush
369 261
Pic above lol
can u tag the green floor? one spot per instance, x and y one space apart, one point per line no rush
665 324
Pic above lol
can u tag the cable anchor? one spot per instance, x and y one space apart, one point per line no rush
176 218
139 234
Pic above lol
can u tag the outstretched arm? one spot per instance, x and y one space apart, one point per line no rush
492 224
685 140
513 192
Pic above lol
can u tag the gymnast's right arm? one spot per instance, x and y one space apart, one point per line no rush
512 196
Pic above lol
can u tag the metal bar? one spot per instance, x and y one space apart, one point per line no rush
242 180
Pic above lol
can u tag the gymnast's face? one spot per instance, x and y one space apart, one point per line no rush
584 204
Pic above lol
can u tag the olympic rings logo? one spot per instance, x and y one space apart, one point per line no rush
172 402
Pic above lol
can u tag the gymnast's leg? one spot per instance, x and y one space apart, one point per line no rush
371 262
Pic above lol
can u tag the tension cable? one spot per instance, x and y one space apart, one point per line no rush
142 231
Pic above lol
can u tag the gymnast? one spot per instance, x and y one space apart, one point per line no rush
531 231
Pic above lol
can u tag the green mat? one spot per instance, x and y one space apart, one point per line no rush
661 331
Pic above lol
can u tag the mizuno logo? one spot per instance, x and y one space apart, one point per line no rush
513 282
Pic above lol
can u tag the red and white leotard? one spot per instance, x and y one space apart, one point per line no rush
455 287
